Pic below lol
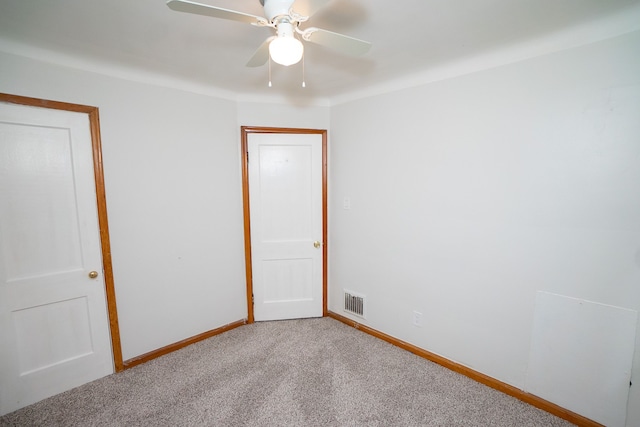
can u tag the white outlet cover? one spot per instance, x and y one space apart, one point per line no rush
417 318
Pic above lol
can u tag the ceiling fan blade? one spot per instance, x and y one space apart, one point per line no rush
216 12
308 7
261 55
339 42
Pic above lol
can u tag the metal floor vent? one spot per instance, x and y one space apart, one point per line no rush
353 303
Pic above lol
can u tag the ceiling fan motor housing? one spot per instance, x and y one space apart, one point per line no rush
275 8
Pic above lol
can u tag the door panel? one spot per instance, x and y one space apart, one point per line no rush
38 211
66 337
285 189
54 330
285 192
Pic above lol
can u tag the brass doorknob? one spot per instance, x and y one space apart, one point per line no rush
93 274
316 244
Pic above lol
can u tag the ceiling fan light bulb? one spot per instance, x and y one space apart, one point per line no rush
286 50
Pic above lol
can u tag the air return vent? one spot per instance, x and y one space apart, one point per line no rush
354 303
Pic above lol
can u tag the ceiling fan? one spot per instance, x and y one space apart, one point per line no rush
285 17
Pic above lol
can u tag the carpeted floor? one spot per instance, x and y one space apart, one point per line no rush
313 372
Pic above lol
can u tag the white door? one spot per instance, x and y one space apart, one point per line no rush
54 332
285 200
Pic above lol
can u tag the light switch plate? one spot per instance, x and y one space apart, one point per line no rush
346 203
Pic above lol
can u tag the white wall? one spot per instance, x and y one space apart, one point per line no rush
251 113
172 173
469 195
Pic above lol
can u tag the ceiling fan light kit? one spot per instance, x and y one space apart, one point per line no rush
285 16
286 49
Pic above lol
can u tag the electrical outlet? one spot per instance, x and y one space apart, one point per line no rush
417 319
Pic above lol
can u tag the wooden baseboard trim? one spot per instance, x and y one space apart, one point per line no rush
180 344
531 399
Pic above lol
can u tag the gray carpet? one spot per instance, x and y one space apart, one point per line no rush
314 372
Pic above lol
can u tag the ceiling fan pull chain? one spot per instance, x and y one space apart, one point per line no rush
269 70
303 82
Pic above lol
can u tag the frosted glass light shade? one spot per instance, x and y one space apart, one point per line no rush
286 50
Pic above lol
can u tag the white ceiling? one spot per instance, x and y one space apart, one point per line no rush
145 40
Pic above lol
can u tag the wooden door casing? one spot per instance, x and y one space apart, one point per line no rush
245 132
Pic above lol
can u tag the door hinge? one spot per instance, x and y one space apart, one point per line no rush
253 301
247 157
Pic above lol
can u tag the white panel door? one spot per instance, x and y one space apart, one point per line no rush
285 199
54 330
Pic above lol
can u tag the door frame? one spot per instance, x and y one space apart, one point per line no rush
245 132
101 202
